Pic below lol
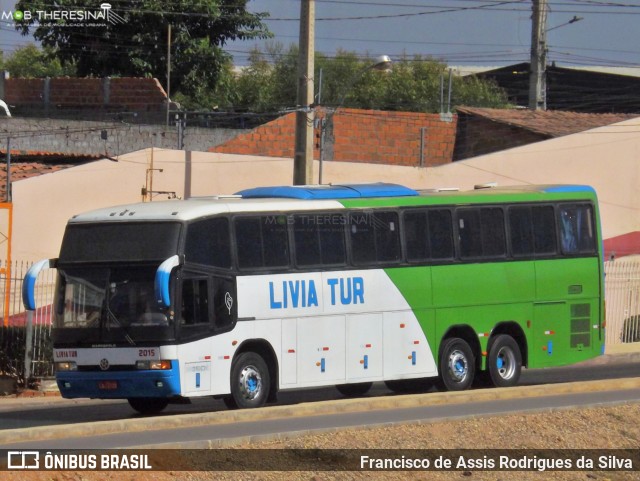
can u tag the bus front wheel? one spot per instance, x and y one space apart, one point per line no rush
505 361
148 405
250 381
457 365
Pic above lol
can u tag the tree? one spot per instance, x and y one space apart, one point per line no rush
130 38
32 62
414 84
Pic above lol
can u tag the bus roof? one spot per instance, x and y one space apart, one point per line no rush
346 191
332 197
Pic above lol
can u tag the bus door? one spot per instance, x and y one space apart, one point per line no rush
208 308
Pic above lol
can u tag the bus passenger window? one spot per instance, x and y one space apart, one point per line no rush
208 242
195 302
262 241
375 237
544 230
521 230
481 232
576 229
319 239
416 235
441 234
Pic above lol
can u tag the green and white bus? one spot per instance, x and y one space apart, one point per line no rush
279 288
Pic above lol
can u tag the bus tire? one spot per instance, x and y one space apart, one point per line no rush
148 405
250 382
354 390
505 361
422 384
457 365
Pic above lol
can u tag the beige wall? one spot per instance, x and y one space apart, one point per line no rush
607 158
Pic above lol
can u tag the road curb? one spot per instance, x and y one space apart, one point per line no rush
342 406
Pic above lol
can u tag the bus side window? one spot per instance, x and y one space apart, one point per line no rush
416 235
576 229
262 241
208 242
521 231
375 237
544 230
481 232
195 302
319 239
441 234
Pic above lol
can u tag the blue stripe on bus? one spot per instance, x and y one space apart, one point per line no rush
569 189
347 191
134 383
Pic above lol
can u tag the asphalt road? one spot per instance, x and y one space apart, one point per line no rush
16 415
85 412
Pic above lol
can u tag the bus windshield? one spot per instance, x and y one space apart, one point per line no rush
119 242
105 298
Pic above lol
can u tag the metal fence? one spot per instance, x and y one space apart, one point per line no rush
13 323
622 294
622 286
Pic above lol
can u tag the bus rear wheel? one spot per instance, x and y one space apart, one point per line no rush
250 382
457 365
148 405
354 390
505 361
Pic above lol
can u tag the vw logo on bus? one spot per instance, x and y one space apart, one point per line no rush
104 364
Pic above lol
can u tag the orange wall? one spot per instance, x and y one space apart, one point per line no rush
371 136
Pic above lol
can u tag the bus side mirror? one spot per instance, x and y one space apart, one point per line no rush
29 283
163 278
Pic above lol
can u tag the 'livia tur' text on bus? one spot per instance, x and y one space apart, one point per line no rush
303 293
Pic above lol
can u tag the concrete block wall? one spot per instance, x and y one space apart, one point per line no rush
355 135
33 136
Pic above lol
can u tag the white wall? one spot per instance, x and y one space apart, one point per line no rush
607 158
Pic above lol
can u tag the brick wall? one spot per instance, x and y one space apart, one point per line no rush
87 98
354 135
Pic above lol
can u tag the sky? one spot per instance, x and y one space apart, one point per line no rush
461 32
458 32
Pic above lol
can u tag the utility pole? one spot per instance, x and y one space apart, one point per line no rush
537 77
303 154
168 71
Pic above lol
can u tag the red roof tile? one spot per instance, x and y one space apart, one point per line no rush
21 169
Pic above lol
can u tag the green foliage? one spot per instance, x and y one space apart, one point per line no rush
413 84
32 62
137 46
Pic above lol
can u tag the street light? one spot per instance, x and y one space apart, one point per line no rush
383 63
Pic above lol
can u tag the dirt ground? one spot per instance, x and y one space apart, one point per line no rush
584 429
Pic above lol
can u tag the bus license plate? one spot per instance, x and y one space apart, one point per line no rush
108 385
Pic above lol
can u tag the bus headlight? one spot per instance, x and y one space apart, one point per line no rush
153 365
66 366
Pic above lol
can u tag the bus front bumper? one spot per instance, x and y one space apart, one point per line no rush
120 384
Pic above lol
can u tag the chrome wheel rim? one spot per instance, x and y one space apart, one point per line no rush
458 366
250 383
